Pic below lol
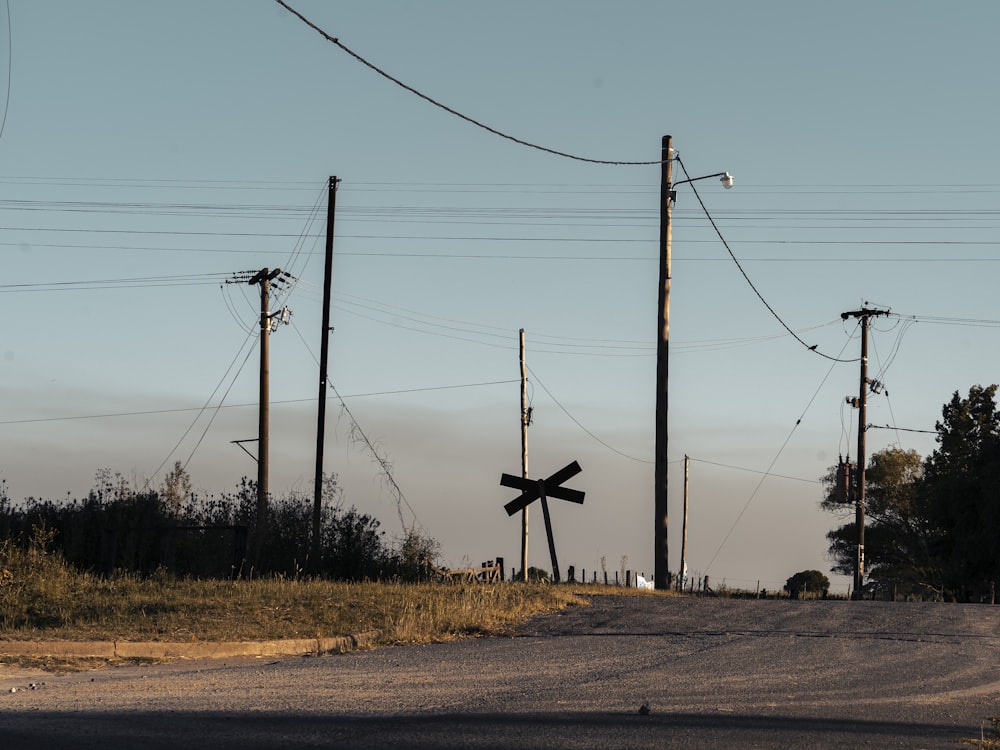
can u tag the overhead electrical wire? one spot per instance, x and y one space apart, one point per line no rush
767 473
580 424
10 65
934 189
208 401
449 110
195 279
274 402
296 253
751 471
756 291
362 436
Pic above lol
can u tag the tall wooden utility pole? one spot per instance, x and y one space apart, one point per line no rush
661 565
661 562
331 207
264 278
861 403
525 418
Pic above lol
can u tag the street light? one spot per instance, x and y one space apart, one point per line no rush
668 193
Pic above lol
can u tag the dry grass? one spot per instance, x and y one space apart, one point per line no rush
42 598
88 608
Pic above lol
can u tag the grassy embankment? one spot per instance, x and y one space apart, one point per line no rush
42 598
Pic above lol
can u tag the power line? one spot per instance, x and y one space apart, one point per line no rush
580 425
756 291
449 110
133 282
358 431
202 410
149 412
767 473
751 471
900 429
10 65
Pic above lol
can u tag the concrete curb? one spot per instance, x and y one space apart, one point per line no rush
193 650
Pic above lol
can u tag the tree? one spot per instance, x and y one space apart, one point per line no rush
897 552
932 525
811 581
962 494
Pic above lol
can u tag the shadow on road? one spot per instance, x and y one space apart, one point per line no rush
256 731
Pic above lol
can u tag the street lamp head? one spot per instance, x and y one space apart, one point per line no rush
727 180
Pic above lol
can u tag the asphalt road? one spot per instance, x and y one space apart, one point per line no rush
713 673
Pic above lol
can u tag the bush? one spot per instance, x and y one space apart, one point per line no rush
808 582
117 528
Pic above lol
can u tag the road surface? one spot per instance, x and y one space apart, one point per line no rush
624 672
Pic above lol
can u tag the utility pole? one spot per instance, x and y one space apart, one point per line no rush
331 206
661 566
264 278
861 404
682 575
661 562
525 421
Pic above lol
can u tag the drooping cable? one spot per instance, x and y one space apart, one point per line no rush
383 462
10 63
580 425
750 471
218 408
204 407
747 278
781 450
446 108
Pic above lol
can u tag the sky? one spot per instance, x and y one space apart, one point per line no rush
151 152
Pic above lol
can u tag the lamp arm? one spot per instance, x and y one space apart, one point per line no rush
727 180
695 179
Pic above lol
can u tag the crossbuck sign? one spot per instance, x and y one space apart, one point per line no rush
541 490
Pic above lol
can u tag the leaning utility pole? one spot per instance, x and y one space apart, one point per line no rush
264 278
525 419
861 403
331 206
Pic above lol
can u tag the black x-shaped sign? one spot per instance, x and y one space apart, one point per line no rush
532 489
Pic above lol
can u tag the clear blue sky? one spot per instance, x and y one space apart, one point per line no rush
183 142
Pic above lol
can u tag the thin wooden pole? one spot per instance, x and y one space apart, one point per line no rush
684 532
524 459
